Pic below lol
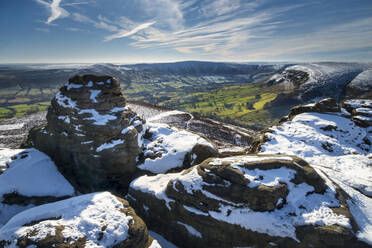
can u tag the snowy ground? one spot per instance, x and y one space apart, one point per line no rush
29 173
335 146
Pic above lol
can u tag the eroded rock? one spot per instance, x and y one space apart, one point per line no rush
245 201
91 135
321 106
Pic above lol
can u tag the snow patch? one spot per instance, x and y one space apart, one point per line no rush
98 119
112 144
94 94
173 144
65 101
191 230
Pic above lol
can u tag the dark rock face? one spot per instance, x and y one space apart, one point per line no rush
295 77
229 202
92 137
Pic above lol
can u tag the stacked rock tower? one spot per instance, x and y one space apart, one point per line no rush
91 135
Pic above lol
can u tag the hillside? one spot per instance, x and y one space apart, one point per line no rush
250 95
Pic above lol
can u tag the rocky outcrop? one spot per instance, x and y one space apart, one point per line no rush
170 149
94 220
91 135
337 144
360 111
321 106
258 201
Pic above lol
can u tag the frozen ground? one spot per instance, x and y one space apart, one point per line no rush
29 173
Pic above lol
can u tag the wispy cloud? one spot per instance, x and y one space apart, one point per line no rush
56 11
213 36
101 24
75 3
126 33
341 37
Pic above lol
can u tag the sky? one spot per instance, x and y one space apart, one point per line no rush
134 31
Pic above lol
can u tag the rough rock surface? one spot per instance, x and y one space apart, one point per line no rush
258 201
93 220
91 135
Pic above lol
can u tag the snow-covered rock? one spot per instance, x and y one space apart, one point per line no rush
245 201
91 135
360 110
336 146
27 178
170 148
92 220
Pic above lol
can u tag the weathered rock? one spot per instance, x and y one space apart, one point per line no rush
95 220
91 135
258 201
360 110
321 106
170 149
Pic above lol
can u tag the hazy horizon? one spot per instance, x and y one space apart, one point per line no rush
159 31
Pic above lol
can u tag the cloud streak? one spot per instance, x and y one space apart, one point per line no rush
56 11
126 33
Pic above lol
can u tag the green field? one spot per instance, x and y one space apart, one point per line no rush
20 110
240 104
237 103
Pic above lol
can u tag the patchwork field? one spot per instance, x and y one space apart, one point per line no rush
242 104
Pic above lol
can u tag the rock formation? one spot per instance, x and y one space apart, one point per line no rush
321 106
361 111
92 220
258 201
91 135
170 149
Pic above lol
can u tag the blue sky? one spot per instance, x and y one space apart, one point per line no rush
130 31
